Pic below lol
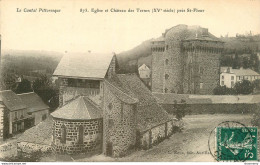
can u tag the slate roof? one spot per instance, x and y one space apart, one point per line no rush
11 100
149 113
84 65
39 134
169 98
80 108
192 33
240 72
33 102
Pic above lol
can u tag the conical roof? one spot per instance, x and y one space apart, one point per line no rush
81 108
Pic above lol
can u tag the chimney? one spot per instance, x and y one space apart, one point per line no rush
89 51
204 32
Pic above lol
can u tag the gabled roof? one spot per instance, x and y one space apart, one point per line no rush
80 108
11 100
33 101
149 113
240 72
84 65
143 67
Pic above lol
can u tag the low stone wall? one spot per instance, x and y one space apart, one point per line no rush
27 147
193 109
157 134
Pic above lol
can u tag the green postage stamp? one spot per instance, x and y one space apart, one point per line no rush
236 143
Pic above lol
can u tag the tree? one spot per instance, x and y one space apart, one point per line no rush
244 87
49 94
24 87
256 84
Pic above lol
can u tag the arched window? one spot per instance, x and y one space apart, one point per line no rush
81 134
63 134
166 76
165 90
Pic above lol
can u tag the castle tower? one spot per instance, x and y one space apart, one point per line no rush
189 62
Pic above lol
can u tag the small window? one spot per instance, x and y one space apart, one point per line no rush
201 70
165 90
166 76
15 115
232 77
201 85
222 82
222 77
63 134
81 134
44 117
110 106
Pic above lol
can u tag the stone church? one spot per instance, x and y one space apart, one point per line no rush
186 59
101 111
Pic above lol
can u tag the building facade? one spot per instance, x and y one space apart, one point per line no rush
186 59
229 76
20 112
83 74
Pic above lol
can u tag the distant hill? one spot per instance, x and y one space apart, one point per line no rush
130 60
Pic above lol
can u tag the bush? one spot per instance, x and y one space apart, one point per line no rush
256 117
25 157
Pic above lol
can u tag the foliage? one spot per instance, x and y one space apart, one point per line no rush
256 84
223 90
23 87
256 117
180 109
49 94
244 87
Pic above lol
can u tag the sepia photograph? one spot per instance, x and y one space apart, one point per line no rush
129 81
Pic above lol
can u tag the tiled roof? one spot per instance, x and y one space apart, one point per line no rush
11 100
33 101
84 65
39 134
170 98
80 108
149 113
240 72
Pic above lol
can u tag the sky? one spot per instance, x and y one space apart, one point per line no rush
73 31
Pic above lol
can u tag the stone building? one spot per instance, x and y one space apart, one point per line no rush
186 59
83 74
132 118
78 127
20 112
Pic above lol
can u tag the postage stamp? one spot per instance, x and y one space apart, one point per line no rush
236 143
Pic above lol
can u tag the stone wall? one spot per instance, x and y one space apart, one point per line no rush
38 115
92 136
157 134
157 71
213 108
119 125
27 147
201 66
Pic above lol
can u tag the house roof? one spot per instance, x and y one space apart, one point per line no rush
149 113
143 67
80 108
33 101
170 98
39 134
240 72
11 100
161 38
84 65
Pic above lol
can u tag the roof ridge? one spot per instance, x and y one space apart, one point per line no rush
82 99
25 93
92 102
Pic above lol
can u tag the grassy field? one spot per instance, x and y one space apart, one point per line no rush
189 145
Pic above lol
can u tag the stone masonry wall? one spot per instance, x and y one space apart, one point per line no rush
119 125
157 67
157 134
92 136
